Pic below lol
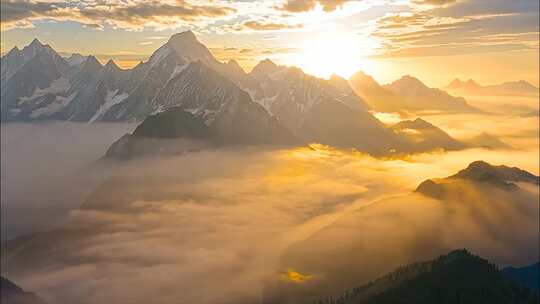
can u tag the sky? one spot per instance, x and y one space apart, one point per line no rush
491 41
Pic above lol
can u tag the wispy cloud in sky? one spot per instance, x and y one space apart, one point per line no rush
461 28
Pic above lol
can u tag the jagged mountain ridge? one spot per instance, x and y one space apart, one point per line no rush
104 92
82 89
31 79
407 94
124 94
318 110
216 114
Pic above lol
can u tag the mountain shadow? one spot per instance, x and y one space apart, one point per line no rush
177 131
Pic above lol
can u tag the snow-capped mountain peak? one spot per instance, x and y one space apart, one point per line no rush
187 46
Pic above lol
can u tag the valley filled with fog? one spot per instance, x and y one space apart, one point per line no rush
47 171
252 223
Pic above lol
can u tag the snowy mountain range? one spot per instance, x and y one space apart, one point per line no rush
39 84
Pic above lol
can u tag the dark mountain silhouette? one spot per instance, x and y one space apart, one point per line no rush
456 278
13 294
158 133
481 172
527 276
173 123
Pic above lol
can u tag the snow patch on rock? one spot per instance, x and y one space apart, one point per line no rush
111 99
60 85
59 103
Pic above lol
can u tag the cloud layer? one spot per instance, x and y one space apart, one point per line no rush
46 171
223 220
132 14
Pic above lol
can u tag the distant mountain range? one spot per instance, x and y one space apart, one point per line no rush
274 104
470 86
456 278
406 94
422 98
38 84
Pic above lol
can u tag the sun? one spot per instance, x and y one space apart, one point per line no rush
338 53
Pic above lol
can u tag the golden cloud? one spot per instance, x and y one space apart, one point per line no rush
131 15
297 6
270 26
295 277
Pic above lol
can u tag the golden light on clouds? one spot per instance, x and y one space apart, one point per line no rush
295 277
